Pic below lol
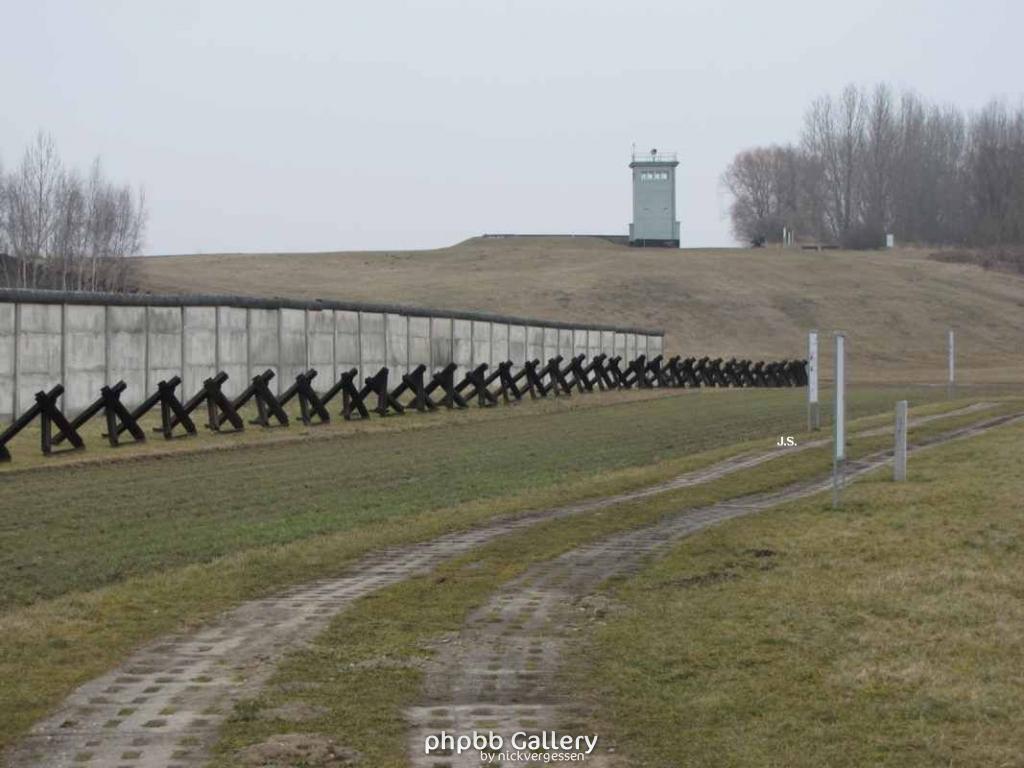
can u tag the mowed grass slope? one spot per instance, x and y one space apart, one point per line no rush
896 305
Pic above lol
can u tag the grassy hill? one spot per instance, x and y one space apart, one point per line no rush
895 305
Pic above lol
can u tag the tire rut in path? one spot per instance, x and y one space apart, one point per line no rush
500 674
163 707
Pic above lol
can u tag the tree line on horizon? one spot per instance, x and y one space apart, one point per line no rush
60 229
871 162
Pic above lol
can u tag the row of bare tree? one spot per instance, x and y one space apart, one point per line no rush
871 162
62 230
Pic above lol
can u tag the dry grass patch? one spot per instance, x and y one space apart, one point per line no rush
896 305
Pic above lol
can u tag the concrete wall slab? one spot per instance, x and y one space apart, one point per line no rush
535 343
565 343
481 343
264 349
441 351
550 345
292 339
85 356
7 346
499 343
517 345
397 347
199 336
346 340
579 342
654 347
631 351
126 351
608 343
419 342
462 346
620 346
39 351
233 348
373 340
320 343
163 324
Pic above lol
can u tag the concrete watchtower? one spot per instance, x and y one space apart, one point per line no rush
654 200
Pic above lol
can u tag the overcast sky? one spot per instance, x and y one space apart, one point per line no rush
271 126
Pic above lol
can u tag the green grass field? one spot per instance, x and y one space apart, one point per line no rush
367 668
99 558
86 527
888 632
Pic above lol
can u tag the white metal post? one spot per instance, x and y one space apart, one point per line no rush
899 466
813 413
952 359
839 423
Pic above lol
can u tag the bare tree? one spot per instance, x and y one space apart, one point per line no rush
880 148
66 232
834 133
872 163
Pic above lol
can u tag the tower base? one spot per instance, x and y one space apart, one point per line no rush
648 243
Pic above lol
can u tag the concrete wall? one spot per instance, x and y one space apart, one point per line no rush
654 346
39 344
126 351
292 345
346 342
372 344
320 346
517 344
85 345
199 345
565 343
264 345
499 343
441 344
481 342
233 348
85 355
397 347
419 343
164 329
550 345
7 362
535 343
608 343
462 346
579 343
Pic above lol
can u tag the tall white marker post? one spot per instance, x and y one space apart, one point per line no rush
813 414
952 361
899 464
839 421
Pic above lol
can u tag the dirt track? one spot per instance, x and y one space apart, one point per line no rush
164 705
500 674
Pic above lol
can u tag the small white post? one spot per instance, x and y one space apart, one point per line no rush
839 425
951 344
813 413
899 466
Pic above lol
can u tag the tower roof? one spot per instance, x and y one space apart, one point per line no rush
654 157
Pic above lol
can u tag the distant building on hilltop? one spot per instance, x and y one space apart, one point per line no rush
654 200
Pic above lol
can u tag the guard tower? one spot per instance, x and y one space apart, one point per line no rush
654 200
